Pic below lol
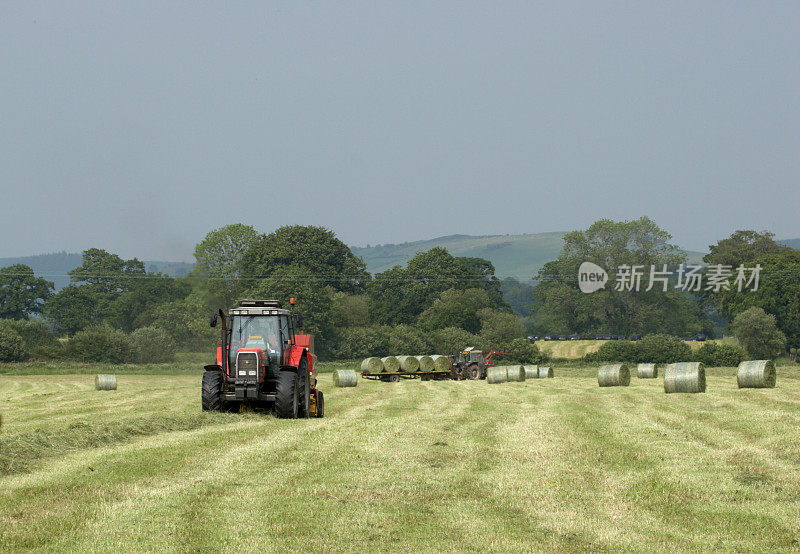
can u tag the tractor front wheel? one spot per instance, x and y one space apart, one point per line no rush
287 397
211 395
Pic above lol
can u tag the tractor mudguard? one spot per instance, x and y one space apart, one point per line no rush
212 367
296 354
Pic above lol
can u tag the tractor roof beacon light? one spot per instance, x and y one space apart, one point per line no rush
291 301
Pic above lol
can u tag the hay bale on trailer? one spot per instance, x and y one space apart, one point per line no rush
372 365
496 374
531 371
408 364
441 363
647 371
426 363
515 372
614 375
545 373
345 378
390 364
105 382
685 377
756 374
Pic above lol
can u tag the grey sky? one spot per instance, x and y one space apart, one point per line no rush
139 126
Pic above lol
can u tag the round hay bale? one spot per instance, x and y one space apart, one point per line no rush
756 374
497 374
647 371
426 363
531 371
390 364
685 377
441 363
408 364
614 375
515 372
545 373
105 382
345 378
372 365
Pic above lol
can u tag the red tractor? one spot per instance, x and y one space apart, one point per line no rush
262 362
472 363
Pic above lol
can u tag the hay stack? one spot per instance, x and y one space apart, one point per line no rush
441 363
647 371
756 374
408 364
372 365
614 375
545 373
345 378
685 377
390 364
531 371
426 363
105 382
497 374
515 372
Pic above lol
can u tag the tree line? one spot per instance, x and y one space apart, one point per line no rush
436 303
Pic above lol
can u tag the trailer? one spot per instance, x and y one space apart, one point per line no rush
394 377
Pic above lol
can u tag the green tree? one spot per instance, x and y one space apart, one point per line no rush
73 308
742 247
313 302
400 295
456 308
498 328
21 292
517 295
350 310
560 305
186 322
409 340
105 272
315 250
449 341
758 333
220 259
12 347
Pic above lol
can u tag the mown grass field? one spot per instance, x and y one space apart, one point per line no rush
575 349
544 465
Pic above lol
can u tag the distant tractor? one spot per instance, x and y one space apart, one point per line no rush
472 363
263 362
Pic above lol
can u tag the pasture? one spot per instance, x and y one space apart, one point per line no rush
556 464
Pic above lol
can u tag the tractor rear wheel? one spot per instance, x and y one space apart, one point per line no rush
287 398
473 371
211 396
304 389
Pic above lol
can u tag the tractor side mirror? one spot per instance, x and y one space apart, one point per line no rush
213 321
298 321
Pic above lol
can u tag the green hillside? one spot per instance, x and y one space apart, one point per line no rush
518 256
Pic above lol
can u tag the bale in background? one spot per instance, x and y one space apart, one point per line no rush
408 364
515 373
647 371
531 371
345 378
105 382
685 377
614 375
426 363
497 374
756 374
372 365
442 363
545 373
391 364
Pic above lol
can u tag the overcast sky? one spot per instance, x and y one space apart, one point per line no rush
140 126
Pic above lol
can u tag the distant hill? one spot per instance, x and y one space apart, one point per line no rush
56 267
792 243
518 256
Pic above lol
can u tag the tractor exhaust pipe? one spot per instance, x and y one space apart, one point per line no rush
225 356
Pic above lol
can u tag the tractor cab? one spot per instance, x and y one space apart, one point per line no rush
262 361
